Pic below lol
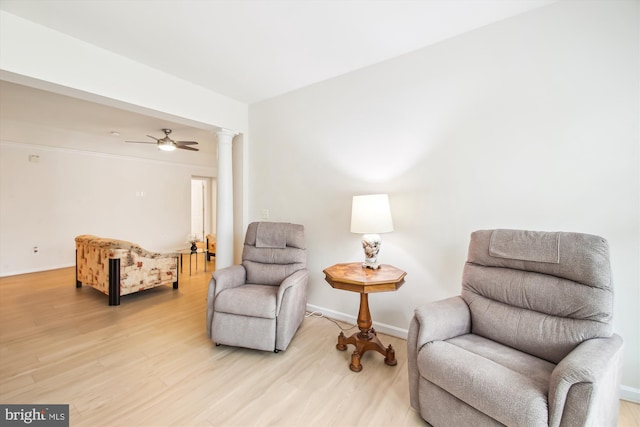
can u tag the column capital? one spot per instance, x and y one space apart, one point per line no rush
226 133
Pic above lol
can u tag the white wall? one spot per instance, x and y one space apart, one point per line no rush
68 192
37 56
528 123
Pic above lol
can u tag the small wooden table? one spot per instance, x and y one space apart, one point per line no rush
353 277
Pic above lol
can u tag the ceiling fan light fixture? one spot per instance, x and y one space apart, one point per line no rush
166 145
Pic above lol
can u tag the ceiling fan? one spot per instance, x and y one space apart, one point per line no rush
168 144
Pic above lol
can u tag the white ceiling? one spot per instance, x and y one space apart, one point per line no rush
49 111
246 50
254 50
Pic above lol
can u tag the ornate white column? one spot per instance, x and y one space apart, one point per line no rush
224 204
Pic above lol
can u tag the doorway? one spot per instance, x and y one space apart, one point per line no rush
202 207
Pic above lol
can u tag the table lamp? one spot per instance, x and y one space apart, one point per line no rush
371 215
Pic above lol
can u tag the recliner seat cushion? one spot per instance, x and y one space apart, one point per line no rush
242 301
501 382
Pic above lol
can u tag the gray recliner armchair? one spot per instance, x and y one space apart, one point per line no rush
528 342
261 303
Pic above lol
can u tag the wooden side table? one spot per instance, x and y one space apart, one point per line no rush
352 277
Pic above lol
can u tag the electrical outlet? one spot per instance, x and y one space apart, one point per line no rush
265 213
35 249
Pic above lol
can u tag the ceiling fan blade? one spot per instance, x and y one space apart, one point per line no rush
167 143
186 147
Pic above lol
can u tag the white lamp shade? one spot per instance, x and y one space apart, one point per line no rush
371 214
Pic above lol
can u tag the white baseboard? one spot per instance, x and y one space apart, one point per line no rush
394 331
629 393
626 393
35 270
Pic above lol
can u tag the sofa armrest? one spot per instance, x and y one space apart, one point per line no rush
591 369
439 320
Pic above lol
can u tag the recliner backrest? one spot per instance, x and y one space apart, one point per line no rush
273 251
539 292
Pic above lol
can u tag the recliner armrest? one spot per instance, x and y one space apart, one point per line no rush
225 278
441 320
300 277
589 363
228 277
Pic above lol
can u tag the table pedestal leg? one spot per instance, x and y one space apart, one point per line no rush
366 339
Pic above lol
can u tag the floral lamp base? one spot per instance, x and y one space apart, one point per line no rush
371 244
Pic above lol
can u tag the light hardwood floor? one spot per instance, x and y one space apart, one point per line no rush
148 362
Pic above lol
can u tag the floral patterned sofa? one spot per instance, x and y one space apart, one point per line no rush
117 267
